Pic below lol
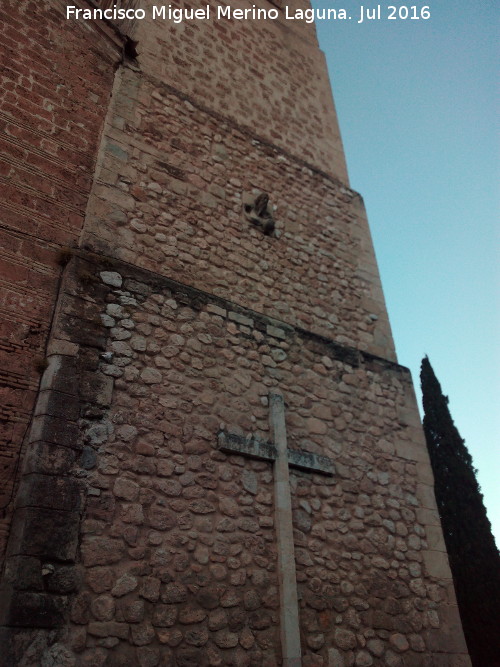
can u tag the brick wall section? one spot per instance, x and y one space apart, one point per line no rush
56 80
168 198
177 555
269 76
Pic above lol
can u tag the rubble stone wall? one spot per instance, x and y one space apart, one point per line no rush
134 539
267 75
176 558
169 198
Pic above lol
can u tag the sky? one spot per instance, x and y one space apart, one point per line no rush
417 102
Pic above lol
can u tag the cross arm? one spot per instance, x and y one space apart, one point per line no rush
254 447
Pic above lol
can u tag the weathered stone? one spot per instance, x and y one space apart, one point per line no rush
108 629
237 618
399 642
225 639
80 608
217 620
345 639
436 564
100 579
115 310
315 641
208 598
172 637
126 489
151 376
417 643
64 579
376 647
226 525
192 614
111 278
248 525
229 506
335 658
77 639
363 659
201 507
58 656
249 481
433 618
164 615
169 487
259 621
161 519
150 588
196 637
174 593
340 604
230 599
251 600
392 659
302 520
133 611
139 344
142 634
201 554
148 656
94 657
278 355
50 534
103 608
185 301
125 584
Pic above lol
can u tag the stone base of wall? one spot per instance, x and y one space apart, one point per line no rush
137 541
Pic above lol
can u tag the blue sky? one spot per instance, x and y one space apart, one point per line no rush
417 108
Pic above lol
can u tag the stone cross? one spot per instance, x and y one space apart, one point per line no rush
283 457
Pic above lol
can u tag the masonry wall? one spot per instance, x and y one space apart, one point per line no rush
56 80
169 198
269 76
174 561
135 540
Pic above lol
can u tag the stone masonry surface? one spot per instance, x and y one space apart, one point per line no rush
176 563
268 76
134 540
169 198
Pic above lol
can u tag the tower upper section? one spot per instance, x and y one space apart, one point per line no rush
266 74
216 114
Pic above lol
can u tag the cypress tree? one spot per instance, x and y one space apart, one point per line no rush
474 557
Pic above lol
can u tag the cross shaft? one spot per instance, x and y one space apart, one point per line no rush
278 452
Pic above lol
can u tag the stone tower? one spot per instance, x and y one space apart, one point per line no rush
222 463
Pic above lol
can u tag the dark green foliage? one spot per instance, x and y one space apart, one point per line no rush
474 558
